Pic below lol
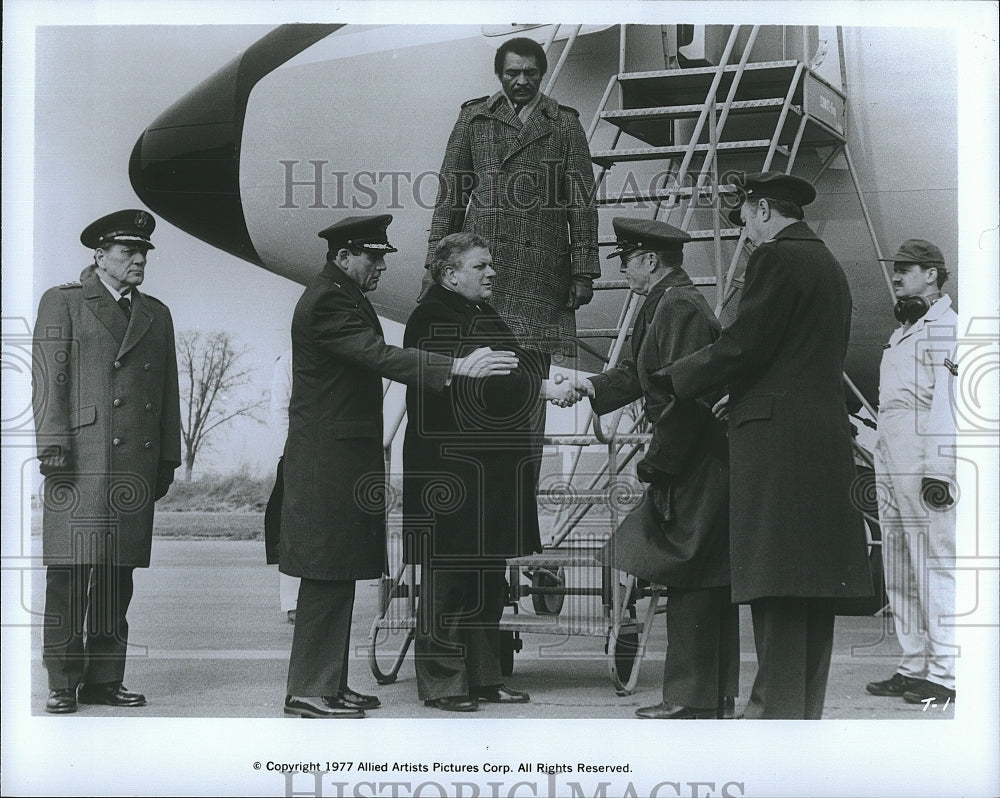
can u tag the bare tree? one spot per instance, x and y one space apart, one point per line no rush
212 373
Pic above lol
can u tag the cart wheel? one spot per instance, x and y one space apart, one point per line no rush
508 645
551 603
625 654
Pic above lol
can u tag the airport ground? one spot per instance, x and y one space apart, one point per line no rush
207 639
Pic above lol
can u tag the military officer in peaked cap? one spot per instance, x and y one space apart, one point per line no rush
678 536
107 421
797 542
333 508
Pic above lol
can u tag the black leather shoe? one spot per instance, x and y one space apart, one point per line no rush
895 686
727 708
358 700
61 702
929 693
500 695
320 707
453 703
112 695
675 712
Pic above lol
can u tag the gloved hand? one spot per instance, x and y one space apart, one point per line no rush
581 291
55 460
164 479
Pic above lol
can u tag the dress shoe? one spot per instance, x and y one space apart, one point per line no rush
500 695
113 694
929 693
357 700
62 701
453 703
320 707
895 686
675 712
727 708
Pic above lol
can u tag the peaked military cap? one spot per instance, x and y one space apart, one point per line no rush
772 185
646 234
367 233
916 250
120 227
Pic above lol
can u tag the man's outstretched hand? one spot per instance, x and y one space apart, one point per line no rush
484 362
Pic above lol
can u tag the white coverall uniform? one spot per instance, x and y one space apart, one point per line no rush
916 427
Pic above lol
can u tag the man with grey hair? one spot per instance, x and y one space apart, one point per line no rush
468 481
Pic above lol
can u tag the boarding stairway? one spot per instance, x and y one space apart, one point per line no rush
696 127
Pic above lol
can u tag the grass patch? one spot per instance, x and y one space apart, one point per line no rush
240 491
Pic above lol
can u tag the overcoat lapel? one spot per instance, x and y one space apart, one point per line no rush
538 126
100 304
139 325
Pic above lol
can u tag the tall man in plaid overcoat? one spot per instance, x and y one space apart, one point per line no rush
517 171
107 420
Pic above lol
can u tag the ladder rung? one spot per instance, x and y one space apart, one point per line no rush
665 194
696 235
610 157
610 285
590 440
680 111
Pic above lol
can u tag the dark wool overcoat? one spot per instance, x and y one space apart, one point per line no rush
679 534
528 190
468 473
794 529
105 397
333 507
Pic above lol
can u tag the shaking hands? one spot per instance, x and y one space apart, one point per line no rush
564 392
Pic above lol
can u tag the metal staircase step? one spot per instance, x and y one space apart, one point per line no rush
614 285
608 158
669 87
654 125
664 195
551 559
588 626
726 233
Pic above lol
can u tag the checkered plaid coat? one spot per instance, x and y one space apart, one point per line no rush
528 190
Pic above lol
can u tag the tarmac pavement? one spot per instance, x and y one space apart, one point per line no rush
207 640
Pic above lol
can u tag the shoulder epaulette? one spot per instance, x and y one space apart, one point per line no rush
475 100
569 108
71 284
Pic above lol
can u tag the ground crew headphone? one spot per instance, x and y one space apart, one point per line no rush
911 308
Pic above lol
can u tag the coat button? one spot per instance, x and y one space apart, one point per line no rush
147 366
117 403
147 445
116 442
149 406
118 364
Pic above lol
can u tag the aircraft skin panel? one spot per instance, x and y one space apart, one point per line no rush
374 108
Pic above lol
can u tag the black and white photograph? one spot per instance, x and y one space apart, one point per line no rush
518 380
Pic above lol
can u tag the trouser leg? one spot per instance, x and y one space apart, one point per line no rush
439 648
694 669
936 584
318 665
794 641
482 657
62 634
107 623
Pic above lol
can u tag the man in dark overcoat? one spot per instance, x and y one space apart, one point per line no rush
678 536
468 485
333 508
797 541
107 419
